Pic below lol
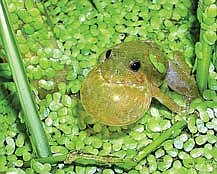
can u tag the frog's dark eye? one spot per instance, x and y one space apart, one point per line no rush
135 65
108 54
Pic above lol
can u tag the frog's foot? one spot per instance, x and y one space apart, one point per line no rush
166 100
187 103
185 110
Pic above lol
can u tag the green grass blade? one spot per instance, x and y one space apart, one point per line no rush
206 15
203 65
87 159
163 137
32 120
81 158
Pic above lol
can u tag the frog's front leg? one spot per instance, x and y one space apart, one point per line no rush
179 78
165 100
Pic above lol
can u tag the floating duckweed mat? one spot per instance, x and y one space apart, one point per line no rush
60 42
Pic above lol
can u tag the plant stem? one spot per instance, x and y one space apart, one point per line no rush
156 143
37 135
206 15
49 24
85 159
80 158
203 64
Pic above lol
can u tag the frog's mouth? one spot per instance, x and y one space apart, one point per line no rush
138 80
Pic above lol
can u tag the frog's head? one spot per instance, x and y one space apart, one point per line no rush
123 64
129 63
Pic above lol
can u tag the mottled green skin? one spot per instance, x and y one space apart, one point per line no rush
115 95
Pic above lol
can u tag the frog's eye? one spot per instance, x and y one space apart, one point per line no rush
108 54
135 65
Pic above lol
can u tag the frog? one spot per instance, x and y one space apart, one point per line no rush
120 89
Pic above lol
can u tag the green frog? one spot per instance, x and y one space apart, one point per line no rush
119 90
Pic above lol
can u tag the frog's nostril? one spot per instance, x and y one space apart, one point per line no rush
108 54
135 65
116 71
